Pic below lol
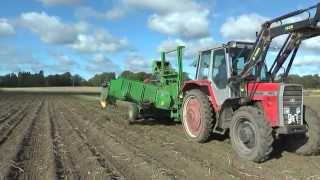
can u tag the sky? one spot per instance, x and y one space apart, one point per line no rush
86 37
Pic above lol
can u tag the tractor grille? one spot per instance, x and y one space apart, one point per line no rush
292 105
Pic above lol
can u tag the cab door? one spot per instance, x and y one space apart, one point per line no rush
204 65
220 74
213 66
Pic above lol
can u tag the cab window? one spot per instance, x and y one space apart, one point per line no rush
204 65
219 71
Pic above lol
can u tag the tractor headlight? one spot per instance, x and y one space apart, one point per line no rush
298 110
286 110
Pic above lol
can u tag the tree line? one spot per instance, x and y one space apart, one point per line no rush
28 79
308 81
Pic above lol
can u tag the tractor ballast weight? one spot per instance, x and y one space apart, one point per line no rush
162 93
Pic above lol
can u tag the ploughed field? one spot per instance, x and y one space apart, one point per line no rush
56 136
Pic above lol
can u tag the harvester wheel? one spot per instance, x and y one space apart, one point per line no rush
197 116
311 139
133 112
251 135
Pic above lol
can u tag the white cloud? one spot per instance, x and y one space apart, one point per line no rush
312 44
243 27
99 41
305 64
59 2
5 27
163 6
62 63
308 60
15 60
77 36
100 63
183 18
192 46
136 63
170 44
185 24
50 28
114 13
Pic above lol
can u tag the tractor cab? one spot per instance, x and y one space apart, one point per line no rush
220 64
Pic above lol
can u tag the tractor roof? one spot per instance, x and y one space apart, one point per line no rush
231 44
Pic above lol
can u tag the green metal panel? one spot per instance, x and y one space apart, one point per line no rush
163 99
136 91
150 93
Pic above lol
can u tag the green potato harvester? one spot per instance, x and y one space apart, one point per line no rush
161 94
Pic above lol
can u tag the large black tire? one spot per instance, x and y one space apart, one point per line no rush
198 119
311 144
133 112
251 135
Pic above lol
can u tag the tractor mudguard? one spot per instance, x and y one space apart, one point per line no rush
203 85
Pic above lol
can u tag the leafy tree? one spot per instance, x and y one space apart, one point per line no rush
140 76
27 79
308 81
77 80
98 79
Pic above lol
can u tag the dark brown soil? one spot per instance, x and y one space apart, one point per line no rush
48 136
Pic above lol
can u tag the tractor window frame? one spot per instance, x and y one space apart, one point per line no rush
221 82
201 74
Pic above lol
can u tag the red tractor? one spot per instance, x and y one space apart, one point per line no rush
235 92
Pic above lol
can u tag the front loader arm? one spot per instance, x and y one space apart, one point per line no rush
297 32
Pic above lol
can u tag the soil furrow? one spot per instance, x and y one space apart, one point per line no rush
227 165
65 164
124 158
38 157
10 148
85 163
4 98
11 109
165 156
22 154
102 161
58 136
12 122
12 101
62 161
158 141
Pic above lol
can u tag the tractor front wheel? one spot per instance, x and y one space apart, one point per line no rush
311 139
197 116
250 134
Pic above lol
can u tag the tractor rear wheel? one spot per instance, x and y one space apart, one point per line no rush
311 139
133 112
197 116
250 134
